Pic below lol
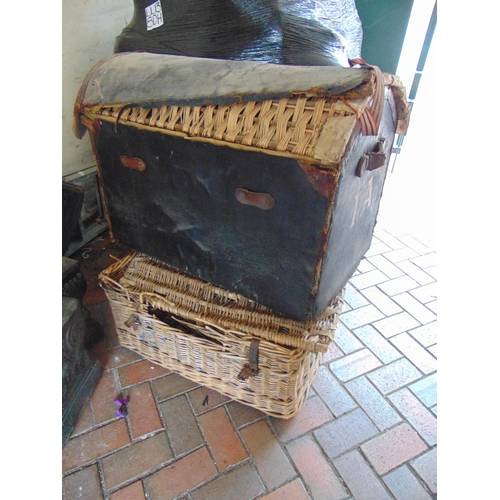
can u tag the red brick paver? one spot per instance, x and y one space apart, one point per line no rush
386 266
83 485
181 424
426 335
394 376
377 248
420 276
377 344
135 491
419 417
426 293
243 414
84 422
373 403
426 467
362 316
393 448
344 433
204 399
362 482
353 298
222 438
333 352
171 385
355 364
118 356
390 240
135 460
368 279
332 392
313 414
102 399
413 351
140 371
183 475
242 482
142 411
294 490
94 444
398 323
420 312
346 340
426 390
401 254
381 301
272 463
317 472
405 486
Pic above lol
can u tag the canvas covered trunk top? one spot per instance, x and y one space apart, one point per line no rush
141 77
304 111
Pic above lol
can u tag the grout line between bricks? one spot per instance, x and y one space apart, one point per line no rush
95 427
284 448
414 473
287 454
163 421
330 462
144 437
390 403
417 475
394 334
220 475
418 341
370 303
139 477
379 477
100 472
267 492
243 444
403 355
205 442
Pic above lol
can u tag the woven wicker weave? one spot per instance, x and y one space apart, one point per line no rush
156 326
149 281
291 125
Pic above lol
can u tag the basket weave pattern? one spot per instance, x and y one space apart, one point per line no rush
145 279
203 351
287 125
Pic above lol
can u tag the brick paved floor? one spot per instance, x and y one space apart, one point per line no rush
366 432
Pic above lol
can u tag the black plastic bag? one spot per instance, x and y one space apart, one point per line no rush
305 32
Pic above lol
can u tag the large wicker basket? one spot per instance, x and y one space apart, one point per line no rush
212 337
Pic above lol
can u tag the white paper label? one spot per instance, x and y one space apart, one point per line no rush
154 16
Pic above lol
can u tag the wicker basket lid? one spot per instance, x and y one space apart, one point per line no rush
146 280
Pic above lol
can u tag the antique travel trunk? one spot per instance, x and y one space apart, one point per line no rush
263 179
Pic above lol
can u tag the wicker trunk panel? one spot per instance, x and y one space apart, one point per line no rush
291 125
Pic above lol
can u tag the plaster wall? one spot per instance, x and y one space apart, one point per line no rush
89 28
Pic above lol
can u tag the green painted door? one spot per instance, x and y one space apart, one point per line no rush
384 28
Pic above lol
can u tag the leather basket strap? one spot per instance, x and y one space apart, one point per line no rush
251 368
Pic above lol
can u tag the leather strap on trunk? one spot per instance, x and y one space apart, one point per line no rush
371 117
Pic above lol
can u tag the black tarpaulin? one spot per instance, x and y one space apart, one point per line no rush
304 32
